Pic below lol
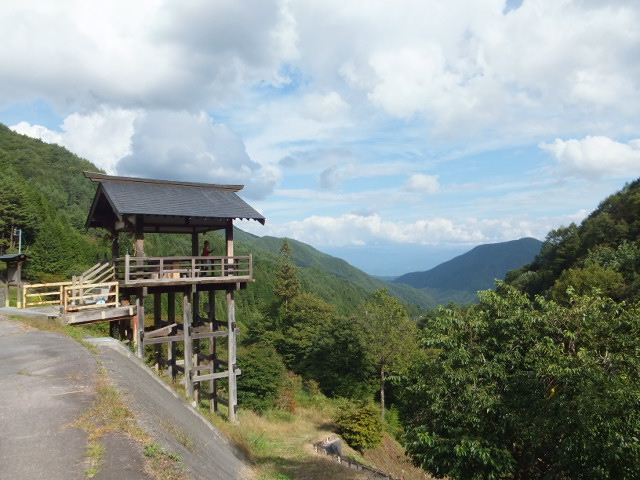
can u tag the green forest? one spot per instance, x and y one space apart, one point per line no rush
538 380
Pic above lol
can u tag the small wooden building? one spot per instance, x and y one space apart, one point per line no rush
139 206
14 263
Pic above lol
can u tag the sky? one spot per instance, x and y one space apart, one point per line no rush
394 134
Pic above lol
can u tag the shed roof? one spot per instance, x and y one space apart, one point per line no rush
14 257
165 206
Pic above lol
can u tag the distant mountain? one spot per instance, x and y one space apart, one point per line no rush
459 279
332 278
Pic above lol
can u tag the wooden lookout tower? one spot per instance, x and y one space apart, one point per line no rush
139 206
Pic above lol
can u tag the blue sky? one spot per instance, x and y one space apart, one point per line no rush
394 134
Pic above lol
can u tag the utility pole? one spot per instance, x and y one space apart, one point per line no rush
17 232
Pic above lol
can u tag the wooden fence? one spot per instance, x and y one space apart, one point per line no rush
71 296
36 294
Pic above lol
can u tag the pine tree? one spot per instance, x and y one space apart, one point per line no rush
287 283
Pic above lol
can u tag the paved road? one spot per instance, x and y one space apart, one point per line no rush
47 380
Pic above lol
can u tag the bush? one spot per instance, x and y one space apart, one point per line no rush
263 373
290 388
360 426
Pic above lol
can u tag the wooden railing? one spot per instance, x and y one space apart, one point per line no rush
157 270
99 273
71 296
90 295
41 294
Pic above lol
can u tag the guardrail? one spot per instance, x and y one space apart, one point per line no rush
333 449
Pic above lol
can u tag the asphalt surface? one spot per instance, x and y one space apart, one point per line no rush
48 380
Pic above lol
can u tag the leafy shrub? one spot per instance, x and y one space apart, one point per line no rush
291 386
360 426
392 424
263 373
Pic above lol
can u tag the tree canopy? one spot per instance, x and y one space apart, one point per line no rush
527 389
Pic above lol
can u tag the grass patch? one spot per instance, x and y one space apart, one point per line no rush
77 333
280 444
95 452
109 414
162 464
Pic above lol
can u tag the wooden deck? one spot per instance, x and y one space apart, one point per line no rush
174 271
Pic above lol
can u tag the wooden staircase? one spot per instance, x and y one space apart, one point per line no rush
93 297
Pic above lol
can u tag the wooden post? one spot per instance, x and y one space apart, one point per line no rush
139 236
171 348
157 323
229 238
127 268
196 315
138 333
231 325
188 346
228 231
213 352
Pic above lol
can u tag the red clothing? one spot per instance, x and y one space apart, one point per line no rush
205 251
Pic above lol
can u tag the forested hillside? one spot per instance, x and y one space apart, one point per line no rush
539 380
44 193
459 279
602 253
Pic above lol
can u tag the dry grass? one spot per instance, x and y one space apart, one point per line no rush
109 414
281 445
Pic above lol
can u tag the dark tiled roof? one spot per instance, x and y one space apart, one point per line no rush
177 200
152 198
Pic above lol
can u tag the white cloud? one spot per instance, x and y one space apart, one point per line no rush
102 137
324 107
79 54
421 183
190 147
372 229
596 157
38 131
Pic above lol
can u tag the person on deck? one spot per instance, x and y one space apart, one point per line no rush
206 253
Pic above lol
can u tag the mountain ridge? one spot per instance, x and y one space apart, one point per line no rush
477 269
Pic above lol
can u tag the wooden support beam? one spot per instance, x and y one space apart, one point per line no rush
231 351
170 339
202 335
188 345
171 348
210 376
157 321
160 332
213 351
138 328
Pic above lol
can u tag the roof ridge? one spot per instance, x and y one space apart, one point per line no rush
103 177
